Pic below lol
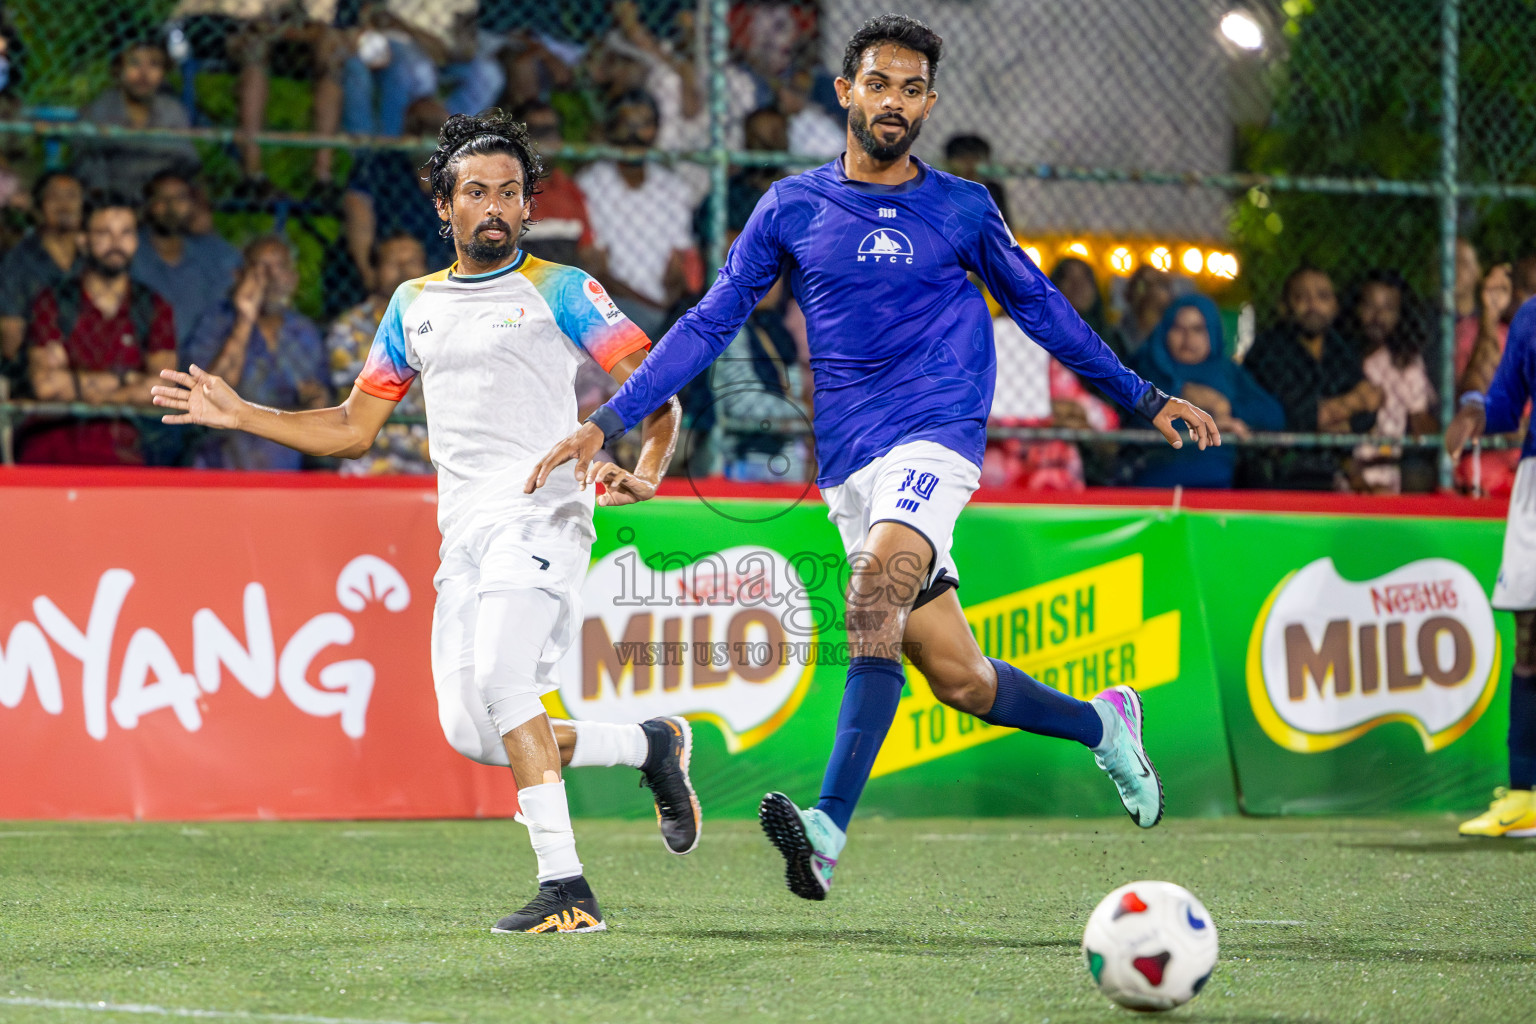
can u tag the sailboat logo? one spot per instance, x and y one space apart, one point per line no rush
885 245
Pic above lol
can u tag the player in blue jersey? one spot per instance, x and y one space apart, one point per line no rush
878 248
1513 812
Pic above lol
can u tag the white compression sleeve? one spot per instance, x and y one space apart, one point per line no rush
548 817
603 745
511 630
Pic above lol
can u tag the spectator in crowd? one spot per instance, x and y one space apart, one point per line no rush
767 131
400 447
45 256
407 51
672 77
1316 375
641 214
1392 347
189 271
1186 355
134 101
387 195
1076 281
266 351
1147 293
762 399
536 67
250 37
812 131
965 154
1479 347
99 338
561 230
1469 271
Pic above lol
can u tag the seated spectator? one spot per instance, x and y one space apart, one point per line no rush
1305 363
767 132
409 49
135 101
387 195
1479 347
560 230
1147 293
400 447
252 37
641 213
191 272
760 398
1186 356
812 131
964 155
1075 279
102 339
45 256
1392 346
266 351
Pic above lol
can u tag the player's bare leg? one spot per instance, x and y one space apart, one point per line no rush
886 578
941 645
662 749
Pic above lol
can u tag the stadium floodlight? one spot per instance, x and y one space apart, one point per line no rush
1121 260
1242 30
1193 260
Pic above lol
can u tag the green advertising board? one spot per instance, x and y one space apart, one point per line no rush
1272 682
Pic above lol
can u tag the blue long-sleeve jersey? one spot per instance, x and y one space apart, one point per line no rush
900 340
1515 379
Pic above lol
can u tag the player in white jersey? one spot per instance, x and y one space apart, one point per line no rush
497 339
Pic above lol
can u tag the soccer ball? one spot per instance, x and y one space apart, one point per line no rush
1150 945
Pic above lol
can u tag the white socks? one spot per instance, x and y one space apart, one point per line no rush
544 810
601 745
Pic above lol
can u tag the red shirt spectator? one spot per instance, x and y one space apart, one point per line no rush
98 344
561 231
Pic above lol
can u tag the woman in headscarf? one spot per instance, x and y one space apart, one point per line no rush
1186 355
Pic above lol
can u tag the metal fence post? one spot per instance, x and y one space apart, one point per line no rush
719 111
1450 30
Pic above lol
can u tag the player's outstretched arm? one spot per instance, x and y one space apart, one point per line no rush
347 430
1202 429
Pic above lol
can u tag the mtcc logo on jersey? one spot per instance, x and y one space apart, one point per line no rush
885 245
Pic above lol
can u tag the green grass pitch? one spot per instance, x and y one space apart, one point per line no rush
933 920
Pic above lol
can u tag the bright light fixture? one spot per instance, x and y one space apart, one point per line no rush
1161 258
1193 260
1033 253
1242 31
1121 260
1078 249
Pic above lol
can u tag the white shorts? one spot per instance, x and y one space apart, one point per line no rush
1515 590
921 484
543 555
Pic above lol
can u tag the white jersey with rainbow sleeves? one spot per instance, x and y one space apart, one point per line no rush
498 355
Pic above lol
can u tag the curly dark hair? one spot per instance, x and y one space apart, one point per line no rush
493 131
898 29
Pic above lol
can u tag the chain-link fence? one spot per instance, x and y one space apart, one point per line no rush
1142 152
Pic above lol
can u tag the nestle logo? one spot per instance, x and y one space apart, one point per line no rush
1403 598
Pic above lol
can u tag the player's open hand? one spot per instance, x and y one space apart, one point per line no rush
1466 426
582 445
198 397
1202 429
620 486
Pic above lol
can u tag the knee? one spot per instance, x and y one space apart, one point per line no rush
964 684
466 736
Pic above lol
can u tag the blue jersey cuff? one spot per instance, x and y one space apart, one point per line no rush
609 423
1151 403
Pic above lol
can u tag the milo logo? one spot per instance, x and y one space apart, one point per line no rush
1330 659
718 639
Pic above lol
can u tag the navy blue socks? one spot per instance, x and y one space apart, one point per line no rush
869 706
1522 731
1023 703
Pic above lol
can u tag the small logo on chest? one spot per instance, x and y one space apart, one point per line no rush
515 319
425 328
885 245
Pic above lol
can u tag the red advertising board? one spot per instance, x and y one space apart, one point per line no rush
223 650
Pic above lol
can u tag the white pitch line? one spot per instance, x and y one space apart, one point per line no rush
1290 924
180 1011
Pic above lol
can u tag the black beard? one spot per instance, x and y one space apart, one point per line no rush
871 145
101 269
483 251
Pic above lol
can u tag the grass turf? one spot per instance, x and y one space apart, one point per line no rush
1382 920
